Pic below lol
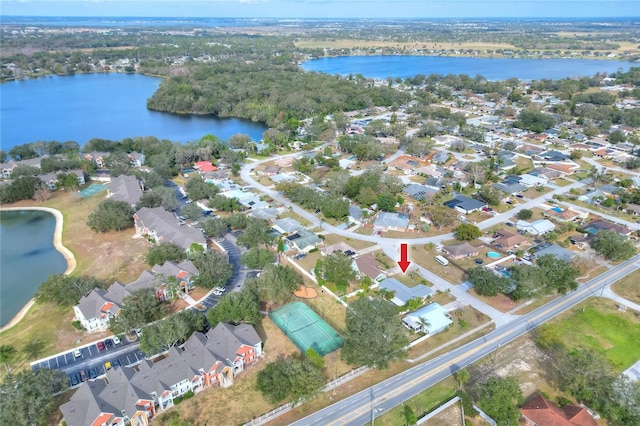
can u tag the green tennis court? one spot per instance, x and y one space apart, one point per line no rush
306 329
90 190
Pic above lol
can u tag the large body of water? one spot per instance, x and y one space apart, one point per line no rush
27 257
109 106
382 67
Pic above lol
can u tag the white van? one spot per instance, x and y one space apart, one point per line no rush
441 260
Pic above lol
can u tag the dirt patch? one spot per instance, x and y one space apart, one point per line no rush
452 416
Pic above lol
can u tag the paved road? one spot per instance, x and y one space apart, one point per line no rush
360 408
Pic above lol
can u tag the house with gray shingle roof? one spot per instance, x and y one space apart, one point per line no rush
465 204
287 225
205 360
125 188
402 294
418 192
391 221
303 240
162 227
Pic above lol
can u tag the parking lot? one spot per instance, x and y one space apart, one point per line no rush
92 359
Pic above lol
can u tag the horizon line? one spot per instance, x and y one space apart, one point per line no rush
326 17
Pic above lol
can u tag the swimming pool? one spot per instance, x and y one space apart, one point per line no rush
493 255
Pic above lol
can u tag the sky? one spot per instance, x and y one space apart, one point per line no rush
324 8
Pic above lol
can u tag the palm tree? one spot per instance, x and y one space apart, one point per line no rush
424 324
430 246
7 353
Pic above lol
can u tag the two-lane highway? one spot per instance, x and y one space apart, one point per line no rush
359 409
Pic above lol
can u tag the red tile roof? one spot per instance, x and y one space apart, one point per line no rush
545 413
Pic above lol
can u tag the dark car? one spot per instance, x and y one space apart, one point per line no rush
116 363
75 379
100 346
93 373
509 224
83 376
108 343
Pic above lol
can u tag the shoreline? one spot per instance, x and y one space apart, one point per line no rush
57 243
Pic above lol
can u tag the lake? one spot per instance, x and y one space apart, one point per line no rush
109 106
27 257
381 67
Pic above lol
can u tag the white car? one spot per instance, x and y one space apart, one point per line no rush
222 289
217 293
116 340
77 353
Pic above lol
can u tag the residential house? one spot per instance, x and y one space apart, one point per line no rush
418 192
545 174
460 251
440 158
601 224
253 202
136 159
125 188
303 240
130 396
162 227
552 249
269 213
541 412
287 226
340 247
508 240
435 183
386 221
431 319
401 293
204 167
355 215
566 215
51 179
271 170
282 178
465 204
98 158
553 156
538 227
184 272
8 167
508 187
366 265
633 209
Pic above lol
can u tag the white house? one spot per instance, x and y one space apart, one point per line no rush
538 227
430 319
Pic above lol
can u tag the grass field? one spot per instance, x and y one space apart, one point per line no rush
598 325
629 287
110 256
422 403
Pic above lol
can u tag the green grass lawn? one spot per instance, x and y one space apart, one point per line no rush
422 403
598 325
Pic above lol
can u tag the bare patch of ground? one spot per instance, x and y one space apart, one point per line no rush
452 416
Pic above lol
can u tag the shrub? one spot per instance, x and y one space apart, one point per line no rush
77 325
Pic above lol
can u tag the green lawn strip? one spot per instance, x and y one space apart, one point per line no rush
421 404
598 326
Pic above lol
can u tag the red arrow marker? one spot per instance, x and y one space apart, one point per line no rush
404 262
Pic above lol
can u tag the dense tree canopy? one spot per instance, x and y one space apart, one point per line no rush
111 215
535 121
258 258
138 310
336 268
241 307
214 227
499 398
161 253
374 324
488 283
466 232
214 269
295 379
28 397
170 331
276 283
612 245
198 189
270 92
66 290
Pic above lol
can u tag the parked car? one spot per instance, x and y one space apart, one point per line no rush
83 375
108 343
100 346
77 353
107 366
509 224
93 373
116 363
116 340
75 379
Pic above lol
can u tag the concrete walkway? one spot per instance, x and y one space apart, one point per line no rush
609 294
